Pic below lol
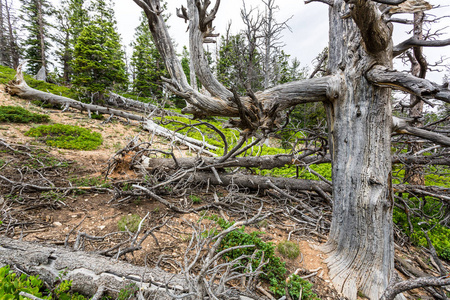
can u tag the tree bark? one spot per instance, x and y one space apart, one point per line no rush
360 246
414 173
88 271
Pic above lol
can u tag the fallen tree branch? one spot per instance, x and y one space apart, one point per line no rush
20 88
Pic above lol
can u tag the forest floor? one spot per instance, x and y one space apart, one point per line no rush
55 218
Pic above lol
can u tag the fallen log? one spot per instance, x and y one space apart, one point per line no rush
88 272
261 162
20 88
126 103
260 182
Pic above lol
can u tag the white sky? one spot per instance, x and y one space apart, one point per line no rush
309 24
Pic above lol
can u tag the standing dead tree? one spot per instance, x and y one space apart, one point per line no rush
357 97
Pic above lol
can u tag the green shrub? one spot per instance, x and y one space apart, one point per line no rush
130 222
195 199
67 136
17 114
128 292
274 272
295 285
288 249
11 284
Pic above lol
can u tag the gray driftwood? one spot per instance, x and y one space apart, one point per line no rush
89 272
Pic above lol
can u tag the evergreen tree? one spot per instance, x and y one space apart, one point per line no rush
185 63
34 15
71 17
98 63
233 61
146 63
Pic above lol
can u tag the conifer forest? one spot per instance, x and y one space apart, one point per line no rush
217 162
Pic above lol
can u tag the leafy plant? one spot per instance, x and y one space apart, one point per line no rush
195 199
130 222
128 292
274 272
67 136
17 114
288 249
11 284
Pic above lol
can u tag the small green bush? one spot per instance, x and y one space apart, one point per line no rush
288 249
195 199
17 114
67 136
274 272
11 284
130 222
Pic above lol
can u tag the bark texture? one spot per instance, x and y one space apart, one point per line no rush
360 244
89 272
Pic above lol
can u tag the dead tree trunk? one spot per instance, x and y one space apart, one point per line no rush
89 272
20 88
360 244
357 97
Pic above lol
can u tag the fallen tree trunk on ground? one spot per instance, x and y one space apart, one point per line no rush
147 108
20 88
89 272
270 161
261 162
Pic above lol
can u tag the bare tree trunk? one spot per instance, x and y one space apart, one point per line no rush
41 37
414 173
2 36
13 46
360 244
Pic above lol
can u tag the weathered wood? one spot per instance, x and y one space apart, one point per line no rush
20 88
401 126
360 245
123 102
260 182
261 162
88 271
386 77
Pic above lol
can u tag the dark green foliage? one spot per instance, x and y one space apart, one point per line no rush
295 285
34 15
147 64
16 114
71 18
67 136
98 63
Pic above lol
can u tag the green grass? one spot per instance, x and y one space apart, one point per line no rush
67 136
17 114
130 222
288 249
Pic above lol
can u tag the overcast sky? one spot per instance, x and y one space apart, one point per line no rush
309 24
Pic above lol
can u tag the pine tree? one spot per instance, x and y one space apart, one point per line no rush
146 63
71 17
34 15
98 63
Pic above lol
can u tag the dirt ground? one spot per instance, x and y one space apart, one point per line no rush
58 219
